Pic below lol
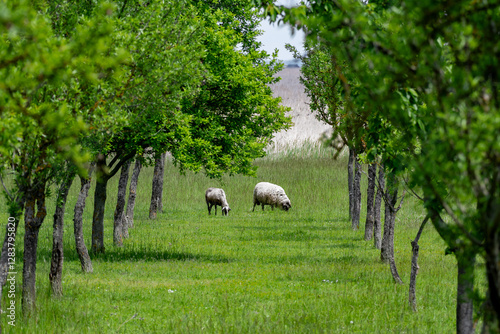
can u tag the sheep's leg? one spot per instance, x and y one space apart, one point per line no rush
262 207
254 204
272 207
216 209
209 207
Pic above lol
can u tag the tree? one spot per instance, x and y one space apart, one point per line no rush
326 82
446 55
42 78
234 115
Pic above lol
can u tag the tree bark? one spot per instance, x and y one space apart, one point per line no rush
99 206
103 174
412 295
157 189
387 251
370 195
131 198
81 249
350 180
119 216
56 265
390 195
377 222
98 217
491 318
465 286
356 210
35 201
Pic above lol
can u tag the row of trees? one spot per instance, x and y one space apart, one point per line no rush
414 85
91 86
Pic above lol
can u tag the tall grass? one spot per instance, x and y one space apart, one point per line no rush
266 271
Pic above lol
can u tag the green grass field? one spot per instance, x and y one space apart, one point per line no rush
302 271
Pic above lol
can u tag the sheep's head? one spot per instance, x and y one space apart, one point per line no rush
286 205
225 210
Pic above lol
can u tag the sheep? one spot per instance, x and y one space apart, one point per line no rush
266 193
217 196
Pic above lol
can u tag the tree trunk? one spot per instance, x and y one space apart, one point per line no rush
370 195
387 251
491 318
104 173
377 222
56 265
131 198
119 217
156 194
356 210
465 286
81 249
390 195
350 180
35 196
99 206
412 295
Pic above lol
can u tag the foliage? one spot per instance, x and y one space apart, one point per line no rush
446 56
233 115
42 77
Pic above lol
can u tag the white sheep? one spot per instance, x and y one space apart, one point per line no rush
217 196
266 193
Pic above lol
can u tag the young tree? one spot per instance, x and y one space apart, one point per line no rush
326 82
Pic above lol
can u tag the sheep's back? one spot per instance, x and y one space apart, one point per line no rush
215 195
267 193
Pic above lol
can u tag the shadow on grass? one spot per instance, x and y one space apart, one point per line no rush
342 261
117 254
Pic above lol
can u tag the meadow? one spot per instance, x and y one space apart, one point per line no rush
301 271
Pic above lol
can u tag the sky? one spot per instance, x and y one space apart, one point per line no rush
275 37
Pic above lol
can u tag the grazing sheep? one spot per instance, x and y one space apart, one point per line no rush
266 193
217 196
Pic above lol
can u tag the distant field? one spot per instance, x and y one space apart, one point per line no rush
301 271
307 129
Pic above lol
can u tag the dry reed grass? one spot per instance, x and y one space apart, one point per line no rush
307 130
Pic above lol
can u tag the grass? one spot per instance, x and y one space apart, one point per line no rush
302 271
